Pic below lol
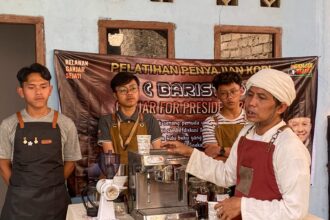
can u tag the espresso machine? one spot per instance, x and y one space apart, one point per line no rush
158 186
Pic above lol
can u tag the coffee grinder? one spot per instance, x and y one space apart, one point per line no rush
109 191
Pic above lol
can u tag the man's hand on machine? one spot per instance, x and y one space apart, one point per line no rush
177 147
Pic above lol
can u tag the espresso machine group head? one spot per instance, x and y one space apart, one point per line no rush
158 186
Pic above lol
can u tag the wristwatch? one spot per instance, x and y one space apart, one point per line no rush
222 151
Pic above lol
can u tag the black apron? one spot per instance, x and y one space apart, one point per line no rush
36 188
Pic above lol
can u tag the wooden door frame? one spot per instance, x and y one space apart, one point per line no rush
146 25
38 22
276 32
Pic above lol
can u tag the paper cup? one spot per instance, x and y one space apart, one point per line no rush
221 197
212 211
144 142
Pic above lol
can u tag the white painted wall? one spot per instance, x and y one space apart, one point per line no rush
72 25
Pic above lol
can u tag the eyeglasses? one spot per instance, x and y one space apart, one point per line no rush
226 94
125 90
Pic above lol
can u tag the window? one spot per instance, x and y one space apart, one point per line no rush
247 42
136 38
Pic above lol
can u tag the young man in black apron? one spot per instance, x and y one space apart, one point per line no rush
220 130
117 132
268 162
38 147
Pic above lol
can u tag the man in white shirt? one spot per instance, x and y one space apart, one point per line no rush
268 162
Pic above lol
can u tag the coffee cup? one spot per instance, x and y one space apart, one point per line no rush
212 212
222 197
144 143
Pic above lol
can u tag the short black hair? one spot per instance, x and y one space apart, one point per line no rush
23 73
123 78
226 78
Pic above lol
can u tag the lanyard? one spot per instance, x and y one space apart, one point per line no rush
130 136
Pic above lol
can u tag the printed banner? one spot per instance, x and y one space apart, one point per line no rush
177 91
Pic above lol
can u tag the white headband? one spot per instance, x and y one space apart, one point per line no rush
278 83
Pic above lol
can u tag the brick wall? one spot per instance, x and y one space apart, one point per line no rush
246 46
144 43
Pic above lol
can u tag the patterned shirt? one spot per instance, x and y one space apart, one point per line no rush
209 124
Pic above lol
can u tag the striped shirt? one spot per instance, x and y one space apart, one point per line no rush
209 124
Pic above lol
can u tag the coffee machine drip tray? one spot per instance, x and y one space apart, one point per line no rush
173 213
